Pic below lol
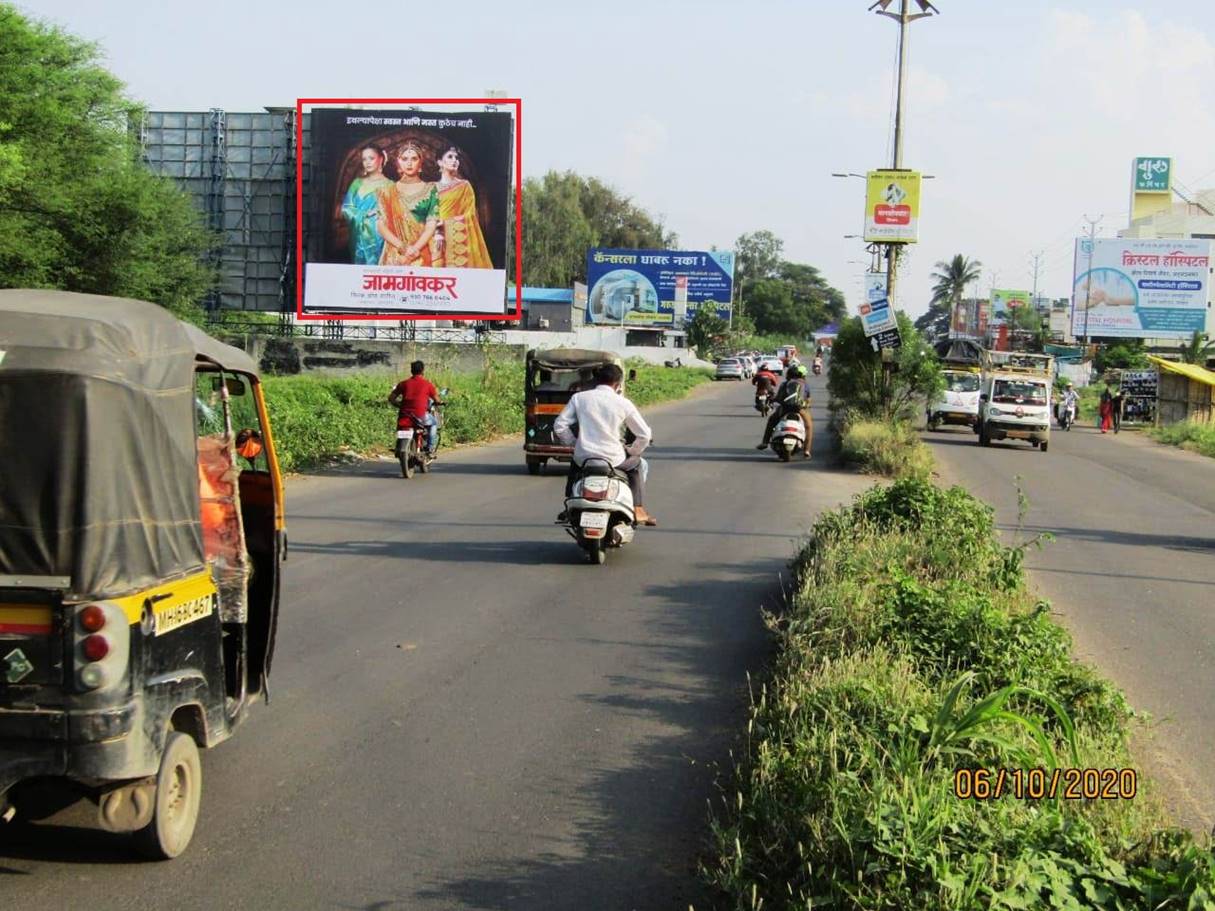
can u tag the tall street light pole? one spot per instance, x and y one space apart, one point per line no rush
904 17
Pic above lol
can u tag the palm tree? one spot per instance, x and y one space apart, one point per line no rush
1197 349
952 278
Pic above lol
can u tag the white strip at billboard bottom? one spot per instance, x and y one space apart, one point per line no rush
334 287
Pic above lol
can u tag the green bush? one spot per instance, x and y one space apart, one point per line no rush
911 649
1189 435
893 450
859 384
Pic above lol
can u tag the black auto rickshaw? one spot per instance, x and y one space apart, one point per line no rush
141 531
553 376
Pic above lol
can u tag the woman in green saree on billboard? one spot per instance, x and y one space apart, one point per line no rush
359 207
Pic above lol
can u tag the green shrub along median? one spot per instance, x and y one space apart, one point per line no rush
316 419
1189 435
912 649
890 449
874 408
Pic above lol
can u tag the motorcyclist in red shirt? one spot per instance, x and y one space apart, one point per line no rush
413 397
764 381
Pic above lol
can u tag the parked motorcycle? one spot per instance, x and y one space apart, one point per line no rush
411 449
600 510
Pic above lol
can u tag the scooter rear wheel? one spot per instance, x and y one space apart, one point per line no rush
596 553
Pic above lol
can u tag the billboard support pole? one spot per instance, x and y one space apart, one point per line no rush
1088 280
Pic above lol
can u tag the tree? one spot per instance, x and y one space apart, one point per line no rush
556 233
1029 323
565 214
1127 354
707 331
1197 350
759 257
782 297
934 323
950 281
78 211
858 383
770 305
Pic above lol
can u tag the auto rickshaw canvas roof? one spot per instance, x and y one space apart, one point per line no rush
572 357
107 337
98 440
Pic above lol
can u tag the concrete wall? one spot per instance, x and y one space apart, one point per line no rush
340 356
336 356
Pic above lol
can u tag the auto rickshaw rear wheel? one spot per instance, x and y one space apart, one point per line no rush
178 795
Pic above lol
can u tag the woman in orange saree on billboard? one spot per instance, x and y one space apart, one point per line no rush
463 243
408 212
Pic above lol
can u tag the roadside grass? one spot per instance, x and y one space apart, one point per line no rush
316 419
911 648
1189 435
893 450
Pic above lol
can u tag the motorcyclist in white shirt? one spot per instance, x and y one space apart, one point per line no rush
600 413
1070 397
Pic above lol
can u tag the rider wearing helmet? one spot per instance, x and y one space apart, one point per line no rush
793 386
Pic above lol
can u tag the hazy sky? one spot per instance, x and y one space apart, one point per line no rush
729 117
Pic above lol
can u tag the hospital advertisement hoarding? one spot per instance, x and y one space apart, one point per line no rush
1140 288
407 213
656 287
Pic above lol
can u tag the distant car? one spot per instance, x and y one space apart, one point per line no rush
773 363
729 369
749 366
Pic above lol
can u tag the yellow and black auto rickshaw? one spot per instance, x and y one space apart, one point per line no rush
552 378
141 532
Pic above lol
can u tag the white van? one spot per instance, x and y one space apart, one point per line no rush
959 403
1014 406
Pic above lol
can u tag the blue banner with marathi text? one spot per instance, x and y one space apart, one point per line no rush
656 287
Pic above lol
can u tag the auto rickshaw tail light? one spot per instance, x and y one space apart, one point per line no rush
102 646
92 618
93 676
95 647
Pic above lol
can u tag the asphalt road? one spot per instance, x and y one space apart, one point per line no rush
1131 573
466 715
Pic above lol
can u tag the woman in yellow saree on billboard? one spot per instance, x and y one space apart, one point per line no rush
463 243
408 212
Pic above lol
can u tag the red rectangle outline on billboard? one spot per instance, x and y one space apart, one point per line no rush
299 209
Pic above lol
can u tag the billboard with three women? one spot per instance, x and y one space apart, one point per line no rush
408 213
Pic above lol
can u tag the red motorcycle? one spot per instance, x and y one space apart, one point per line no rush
412 434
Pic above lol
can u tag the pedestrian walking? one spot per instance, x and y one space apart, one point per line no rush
1106 410
1116 406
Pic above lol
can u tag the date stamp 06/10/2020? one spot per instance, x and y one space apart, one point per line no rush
1046 784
